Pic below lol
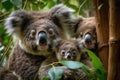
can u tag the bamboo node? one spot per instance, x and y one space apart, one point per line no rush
102 46
113 41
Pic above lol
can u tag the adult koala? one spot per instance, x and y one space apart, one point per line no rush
36 33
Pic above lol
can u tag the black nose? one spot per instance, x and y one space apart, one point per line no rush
68 56
42 37
88 38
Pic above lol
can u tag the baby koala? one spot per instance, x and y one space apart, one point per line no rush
65 50
69 50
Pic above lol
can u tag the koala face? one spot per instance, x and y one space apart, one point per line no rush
40 36
37 31
86 32
69 50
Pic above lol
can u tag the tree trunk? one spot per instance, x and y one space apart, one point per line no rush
114 41
101 8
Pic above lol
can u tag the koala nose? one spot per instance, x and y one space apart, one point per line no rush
42 37
88 38
68 55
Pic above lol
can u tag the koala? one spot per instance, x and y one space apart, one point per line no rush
66 50
72 50
35 33
85 31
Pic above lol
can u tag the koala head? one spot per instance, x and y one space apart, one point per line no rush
69 50
86 32
36 31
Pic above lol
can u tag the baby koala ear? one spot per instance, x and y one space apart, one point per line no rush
77 22
16 22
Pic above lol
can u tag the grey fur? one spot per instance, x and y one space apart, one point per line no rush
27 55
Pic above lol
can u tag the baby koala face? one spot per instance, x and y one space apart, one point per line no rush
69 50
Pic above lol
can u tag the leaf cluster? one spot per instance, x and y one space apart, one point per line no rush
99 72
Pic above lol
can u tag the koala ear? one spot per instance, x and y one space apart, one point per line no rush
61 14
77 22
16 22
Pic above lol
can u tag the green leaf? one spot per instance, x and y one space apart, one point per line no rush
17 3
72 64
7 4
76 65
45 78
98 66
4 1
55 73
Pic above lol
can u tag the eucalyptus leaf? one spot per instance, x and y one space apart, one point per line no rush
17 3
4 0
55 73
98 66
72 64
45 78
7 4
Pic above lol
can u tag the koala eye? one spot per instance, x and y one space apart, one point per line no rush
51 32
63 52
32 34
74 52
81 34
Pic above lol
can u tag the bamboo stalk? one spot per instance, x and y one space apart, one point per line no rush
114 41
101 8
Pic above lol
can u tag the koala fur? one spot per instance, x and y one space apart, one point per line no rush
85 31
36 33
66 50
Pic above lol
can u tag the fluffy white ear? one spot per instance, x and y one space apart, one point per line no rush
63 17
62 13
61 10
16 21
